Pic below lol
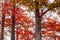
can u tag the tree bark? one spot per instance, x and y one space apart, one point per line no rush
2 29
13 29
13 21
38 22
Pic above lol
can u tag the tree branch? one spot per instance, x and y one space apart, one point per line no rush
48 10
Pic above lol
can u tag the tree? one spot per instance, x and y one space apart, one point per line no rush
16 15
40 5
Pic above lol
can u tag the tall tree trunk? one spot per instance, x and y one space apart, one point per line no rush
2 29
38 22
13 21
13 29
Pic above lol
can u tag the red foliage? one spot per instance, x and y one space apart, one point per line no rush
24 33
19 18
51 27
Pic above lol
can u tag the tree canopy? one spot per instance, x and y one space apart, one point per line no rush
42 3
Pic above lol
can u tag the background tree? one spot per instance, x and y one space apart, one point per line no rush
18 15
37 5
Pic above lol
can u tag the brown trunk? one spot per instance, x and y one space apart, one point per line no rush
13 28
2 25
38 22
13 21
2 29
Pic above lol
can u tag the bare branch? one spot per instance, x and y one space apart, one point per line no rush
48 10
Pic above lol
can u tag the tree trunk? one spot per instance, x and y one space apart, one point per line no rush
13 21
13 28
38 22
2 29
